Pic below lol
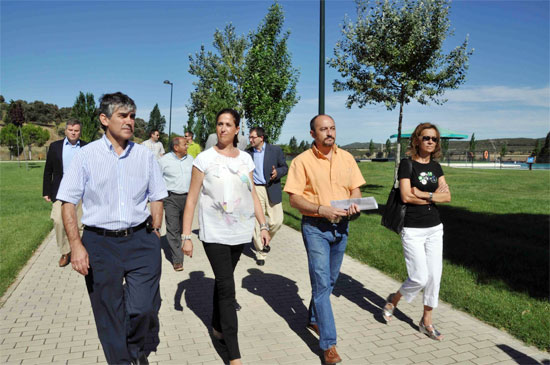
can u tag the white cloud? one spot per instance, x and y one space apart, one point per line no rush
527 96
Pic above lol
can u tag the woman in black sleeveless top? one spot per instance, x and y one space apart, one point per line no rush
422 235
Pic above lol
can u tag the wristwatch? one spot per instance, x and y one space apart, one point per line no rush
264 227
431 195
185 237
156 230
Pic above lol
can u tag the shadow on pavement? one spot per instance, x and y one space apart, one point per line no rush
197 292
355 292
281 294
519 357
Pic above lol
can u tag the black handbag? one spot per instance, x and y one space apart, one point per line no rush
394 213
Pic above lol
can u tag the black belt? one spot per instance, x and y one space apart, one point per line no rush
172 193
119 233
322 220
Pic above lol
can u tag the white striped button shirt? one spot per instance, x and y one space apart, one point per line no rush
114 189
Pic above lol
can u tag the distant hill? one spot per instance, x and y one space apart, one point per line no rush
515 145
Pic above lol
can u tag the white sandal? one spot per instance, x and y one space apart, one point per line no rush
387 311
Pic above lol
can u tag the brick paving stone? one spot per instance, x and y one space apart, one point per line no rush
443 361
274 300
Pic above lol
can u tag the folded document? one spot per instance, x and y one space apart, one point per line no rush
363 203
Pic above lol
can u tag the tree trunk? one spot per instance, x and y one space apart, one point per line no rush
398 152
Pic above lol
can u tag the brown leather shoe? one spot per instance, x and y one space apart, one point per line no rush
331 356
64 260
313 327
178 267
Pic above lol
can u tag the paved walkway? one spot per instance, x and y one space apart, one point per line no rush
46 317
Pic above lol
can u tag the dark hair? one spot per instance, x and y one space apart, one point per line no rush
175 142
153 131
191 133
312 121
259 131
415 141
73 121
108 103
236 119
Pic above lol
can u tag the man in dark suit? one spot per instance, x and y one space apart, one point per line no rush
270 168
59 157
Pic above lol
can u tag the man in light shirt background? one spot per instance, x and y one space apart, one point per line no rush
154 145
176 169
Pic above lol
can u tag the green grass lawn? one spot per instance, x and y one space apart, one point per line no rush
24 217
496 254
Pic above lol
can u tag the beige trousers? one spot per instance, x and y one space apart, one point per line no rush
274 217
60 235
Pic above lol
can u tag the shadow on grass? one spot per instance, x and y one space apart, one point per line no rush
512 248
281 294
519 357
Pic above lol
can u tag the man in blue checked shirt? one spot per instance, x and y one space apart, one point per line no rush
119 253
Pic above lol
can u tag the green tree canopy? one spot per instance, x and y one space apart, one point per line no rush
8 138
84 109
15 113
269 90
33 134
156 120
392 54
219 83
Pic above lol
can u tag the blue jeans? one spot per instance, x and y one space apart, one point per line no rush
325 246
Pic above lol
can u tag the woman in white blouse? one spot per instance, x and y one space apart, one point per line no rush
227 210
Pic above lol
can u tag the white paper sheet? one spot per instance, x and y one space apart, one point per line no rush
367 203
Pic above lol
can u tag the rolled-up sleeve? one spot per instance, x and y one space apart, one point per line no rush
73 183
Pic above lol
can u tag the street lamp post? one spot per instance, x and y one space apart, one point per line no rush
170 120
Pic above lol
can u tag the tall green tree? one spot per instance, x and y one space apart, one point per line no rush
269 89
392 54
293 145
33 134
388 147
16 114
84 109
156 120
140 129
538 146
503 150
544 156
371 147
444 147
219 83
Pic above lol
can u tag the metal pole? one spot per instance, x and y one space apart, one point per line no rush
170 120
322 57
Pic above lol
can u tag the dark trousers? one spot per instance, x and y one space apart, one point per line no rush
223 259
123 284
174 205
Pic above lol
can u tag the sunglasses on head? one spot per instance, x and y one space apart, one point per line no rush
427 138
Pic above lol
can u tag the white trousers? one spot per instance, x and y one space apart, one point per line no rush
423 250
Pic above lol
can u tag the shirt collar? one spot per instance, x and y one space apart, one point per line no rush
110 147
261 149
177 158
77 144
319 154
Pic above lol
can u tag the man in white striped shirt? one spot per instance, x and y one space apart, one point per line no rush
119 253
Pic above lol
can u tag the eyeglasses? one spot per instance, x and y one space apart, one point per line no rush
252 137
427 138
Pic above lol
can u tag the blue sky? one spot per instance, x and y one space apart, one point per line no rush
51 50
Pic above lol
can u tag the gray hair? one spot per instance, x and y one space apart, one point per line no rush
108 103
